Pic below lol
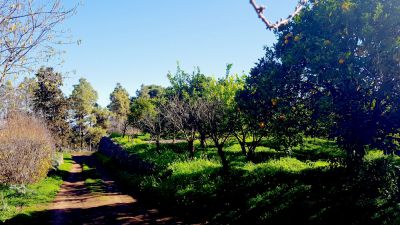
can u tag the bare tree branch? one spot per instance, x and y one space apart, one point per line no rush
260 10
27 33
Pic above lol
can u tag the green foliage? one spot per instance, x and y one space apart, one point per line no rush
146 114
218 106
197 166
67 165
187 86
347 57
83 99
276 190
150 91
51 104
271 103
120 102
102 117
95 185
120 107
287 165
95 134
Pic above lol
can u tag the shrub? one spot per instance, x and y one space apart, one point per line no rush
26 150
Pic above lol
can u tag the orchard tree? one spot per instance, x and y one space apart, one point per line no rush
349 53
50 103
184 116
189 88
83 99
217 106
28 31
272 104
146 114
120 106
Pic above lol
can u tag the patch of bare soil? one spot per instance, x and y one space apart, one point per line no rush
77 204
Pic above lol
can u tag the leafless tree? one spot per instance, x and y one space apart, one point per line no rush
260 10
154 123
184 116
28 32
16 98
25 155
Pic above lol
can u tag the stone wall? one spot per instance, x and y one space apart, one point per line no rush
126 160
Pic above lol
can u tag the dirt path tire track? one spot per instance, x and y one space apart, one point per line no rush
76 204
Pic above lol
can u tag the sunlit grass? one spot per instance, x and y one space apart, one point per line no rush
287 164
36 195
270 188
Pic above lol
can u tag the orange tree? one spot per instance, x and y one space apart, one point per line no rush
272 104
348 52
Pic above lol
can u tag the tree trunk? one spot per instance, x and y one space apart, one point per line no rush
191 148
355 155
202 140
251 153
243 147
124 130
221 154
158 145
81 134
81 140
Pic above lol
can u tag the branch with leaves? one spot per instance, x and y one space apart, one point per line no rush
260 10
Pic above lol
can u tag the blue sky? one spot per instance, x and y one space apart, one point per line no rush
137 42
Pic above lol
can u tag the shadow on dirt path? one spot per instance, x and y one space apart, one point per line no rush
79 203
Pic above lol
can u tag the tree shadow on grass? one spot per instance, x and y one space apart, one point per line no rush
110 214
99 202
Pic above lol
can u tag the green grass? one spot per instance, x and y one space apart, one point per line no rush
95 185
286 164
309 186
92 181
67 165
36 196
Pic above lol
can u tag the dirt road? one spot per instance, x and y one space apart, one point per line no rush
76 203
99 202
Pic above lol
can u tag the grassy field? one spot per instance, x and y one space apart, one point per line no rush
310 186
36 196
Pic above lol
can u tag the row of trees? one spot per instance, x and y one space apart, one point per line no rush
196 106
334 73
76 121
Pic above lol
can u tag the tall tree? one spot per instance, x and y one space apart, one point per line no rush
83 99
349 53
120 106
50 103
